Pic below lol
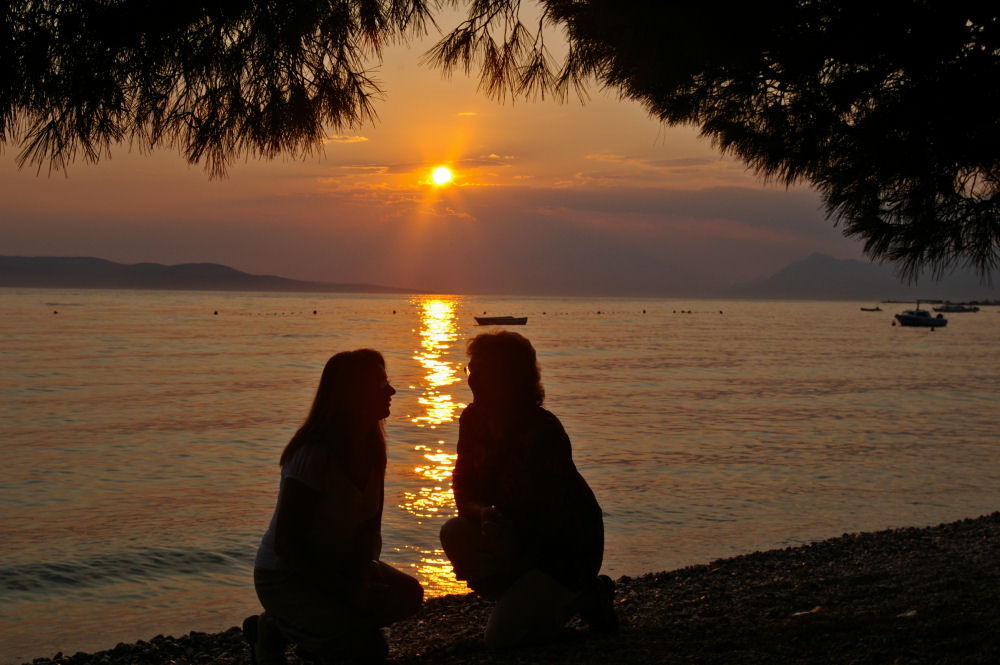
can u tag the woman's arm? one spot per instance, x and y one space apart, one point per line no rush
463 482
298 507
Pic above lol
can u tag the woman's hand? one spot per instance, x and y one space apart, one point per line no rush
490 515
496 529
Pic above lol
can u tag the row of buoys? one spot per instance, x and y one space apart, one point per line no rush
545 313
216 313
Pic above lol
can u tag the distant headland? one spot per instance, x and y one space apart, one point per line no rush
817 277
81 272
822 277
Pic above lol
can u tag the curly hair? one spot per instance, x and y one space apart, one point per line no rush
509 366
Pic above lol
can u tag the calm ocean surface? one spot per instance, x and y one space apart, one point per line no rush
140 432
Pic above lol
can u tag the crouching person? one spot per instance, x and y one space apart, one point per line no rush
529 532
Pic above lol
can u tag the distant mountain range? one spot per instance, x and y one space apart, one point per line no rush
79 272
817 277
822 277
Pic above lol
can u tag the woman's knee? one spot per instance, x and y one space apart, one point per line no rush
405 596
411 595
455 531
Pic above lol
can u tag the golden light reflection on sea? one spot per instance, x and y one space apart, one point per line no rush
438 331
433 501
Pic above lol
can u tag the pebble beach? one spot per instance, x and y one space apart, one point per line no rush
913 595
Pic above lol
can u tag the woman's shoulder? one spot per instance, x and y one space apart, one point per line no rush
309 463
473 413
542 417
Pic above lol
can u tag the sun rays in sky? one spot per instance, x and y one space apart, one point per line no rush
428 196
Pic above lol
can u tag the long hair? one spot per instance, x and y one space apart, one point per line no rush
506 369
335 413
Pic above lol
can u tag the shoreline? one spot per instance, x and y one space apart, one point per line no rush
910 595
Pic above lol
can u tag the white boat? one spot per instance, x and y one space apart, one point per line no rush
501 320
921 317
956 308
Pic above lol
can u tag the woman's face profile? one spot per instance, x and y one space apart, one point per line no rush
486 380
481 380
375 394
471 376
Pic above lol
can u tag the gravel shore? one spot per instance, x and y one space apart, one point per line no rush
928 595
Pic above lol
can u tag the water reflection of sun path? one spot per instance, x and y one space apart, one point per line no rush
432 502
435 500
438 332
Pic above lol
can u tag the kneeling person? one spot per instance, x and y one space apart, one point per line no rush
317 573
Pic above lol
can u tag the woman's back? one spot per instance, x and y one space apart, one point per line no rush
528 473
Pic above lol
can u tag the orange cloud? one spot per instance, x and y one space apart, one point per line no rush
344 138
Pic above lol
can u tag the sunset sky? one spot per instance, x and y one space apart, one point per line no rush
545 198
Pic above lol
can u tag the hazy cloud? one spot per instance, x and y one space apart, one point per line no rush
646 163
491 159
364 169
344 138
391 168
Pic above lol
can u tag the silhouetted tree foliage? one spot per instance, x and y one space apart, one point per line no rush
215 78
891 109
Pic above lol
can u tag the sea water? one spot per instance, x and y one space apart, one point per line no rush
140 435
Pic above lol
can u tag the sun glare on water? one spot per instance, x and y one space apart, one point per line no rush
441 175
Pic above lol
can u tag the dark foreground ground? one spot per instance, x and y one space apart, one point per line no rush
902 596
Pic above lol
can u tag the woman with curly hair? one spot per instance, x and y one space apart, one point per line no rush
529 532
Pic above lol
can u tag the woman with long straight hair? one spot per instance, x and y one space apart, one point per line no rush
317 573
529 532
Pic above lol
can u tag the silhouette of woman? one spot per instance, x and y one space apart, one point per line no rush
529 532
317 571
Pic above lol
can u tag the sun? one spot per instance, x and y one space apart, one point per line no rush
441 175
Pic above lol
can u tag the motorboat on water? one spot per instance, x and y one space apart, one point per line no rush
876 308
921 317
501 320
949 307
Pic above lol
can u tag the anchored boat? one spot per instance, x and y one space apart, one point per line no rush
501 320
921 317
956 308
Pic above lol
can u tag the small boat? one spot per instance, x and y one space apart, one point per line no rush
876 308
921 317
956 308
501 320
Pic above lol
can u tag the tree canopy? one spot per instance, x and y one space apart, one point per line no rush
216 79
889 109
